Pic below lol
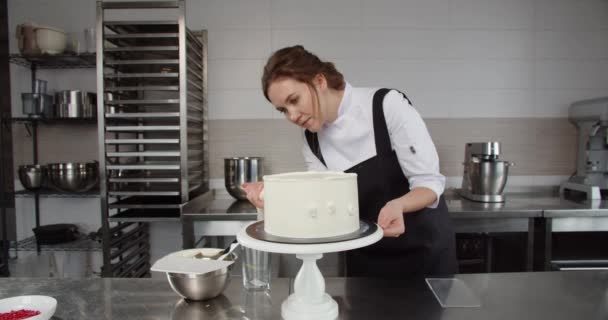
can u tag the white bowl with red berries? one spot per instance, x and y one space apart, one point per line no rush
27 307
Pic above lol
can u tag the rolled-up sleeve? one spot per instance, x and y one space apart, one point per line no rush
412 142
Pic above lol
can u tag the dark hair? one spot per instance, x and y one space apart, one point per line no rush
299 64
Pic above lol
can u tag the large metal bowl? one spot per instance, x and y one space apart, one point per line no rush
238 170
201 286
32 177
73 176
488 177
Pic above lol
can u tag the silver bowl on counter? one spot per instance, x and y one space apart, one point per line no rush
238 170
73 176
75 104
202 286
489 176
32 177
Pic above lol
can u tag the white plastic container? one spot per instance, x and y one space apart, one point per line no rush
51 40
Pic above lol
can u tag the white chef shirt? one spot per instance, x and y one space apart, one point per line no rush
349 140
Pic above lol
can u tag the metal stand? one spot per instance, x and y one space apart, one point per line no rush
590 192
309 299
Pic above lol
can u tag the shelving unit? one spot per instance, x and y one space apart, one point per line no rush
47 193
152 127
64 61
55 120
60 61
81 244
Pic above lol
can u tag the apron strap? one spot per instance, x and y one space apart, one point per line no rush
383 140
313 143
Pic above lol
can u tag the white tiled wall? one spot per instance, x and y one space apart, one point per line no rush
454 58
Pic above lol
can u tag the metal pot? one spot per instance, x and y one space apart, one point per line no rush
37 105
238 170
488 177
75 104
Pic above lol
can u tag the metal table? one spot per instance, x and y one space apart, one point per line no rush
537 212
587 216
544 295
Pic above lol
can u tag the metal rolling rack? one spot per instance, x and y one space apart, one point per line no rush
152 128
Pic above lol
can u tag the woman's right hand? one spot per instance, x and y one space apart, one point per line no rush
255 193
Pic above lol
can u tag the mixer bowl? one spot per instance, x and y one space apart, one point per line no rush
488 177
73 176
238 170
31 176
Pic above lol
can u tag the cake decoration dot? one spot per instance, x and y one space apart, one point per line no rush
350 209
331 207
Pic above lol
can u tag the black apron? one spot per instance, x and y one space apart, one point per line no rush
427 247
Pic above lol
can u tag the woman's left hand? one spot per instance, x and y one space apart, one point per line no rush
391 220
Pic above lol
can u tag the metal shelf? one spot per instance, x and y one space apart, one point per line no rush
147 203
146 215
82 244
59 61
47 193
56 120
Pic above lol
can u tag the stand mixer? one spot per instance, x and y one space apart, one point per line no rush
591 120
484 176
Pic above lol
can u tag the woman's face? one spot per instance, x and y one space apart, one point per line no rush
297 101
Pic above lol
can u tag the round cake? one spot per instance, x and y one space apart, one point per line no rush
311 204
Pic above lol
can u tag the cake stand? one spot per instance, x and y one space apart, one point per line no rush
309 300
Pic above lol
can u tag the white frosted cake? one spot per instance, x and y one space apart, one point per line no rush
311 204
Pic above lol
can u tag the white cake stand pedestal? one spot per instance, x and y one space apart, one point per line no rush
309 300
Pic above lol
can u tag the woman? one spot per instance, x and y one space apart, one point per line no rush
378 135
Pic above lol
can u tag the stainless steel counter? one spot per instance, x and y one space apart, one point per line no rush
517 205
549 295
538 213
222 215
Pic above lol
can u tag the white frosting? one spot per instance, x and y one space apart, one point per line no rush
311 204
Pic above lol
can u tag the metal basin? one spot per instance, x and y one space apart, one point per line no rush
75 104
238 170
32 176
488 177
73 176
201 286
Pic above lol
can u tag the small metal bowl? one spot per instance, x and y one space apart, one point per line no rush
32 177
238 170
203 286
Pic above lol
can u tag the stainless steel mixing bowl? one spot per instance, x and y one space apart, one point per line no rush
73 176
201 286
32 177
488 177
238 170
